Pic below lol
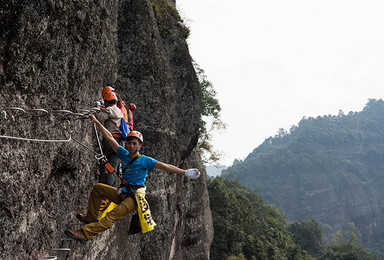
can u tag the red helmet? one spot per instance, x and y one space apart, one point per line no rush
132 106
136 134
107 90
110 96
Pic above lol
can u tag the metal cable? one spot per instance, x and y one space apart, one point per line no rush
21 111
98 140
89 149
36 140
67 124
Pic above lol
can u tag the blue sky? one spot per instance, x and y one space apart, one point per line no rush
274 62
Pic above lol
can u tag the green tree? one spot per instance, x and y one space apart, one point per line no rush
348 234
331 156
210 120
346 251
245 227
307 234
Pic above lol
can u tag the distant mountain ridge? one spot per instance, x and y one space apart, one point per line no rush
329 168
214 170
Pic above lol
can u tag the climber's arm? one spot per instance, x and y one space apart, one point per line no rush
106 134
169 167
191 173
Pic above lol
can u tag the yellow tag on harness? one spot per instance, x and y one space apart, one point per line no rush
146 221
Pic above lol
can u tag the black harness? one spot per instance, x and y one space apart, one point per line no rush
128 186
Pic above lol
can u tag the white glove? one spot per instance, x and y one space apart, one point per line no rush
192 173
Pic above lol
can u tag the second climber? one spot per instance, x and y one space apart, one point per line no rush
110 117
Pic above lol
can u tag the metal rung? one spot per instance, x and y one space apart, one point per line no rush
16 109
39 110
66 239
61 249
49 257
85 111
95 109
66 112
78 114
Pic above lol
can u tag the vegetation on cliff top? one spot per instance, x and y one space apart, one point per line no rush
166 13
211 120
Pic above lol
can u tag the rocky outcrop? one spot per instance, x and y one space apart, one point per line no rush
58 55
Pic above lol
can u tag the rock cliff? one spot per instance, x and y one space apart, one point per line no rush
58 55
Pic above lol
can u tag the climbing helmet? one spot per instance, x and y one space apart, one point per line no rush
132 107
136 134
107 90
110 96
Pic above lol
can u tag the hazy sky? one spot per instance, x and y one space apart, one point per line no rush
274 62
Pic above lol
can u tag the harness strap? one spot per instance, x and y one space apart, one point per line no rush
118 136
136 187
132 161
126 184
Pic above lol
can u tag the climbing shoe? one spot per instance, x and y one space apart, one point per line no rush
85 219
77 235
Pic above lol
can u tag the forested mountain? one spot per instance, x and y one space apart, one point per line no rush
330 168
244 225
246 228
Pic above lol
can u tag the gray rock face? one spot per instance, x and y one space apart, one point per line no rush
59 55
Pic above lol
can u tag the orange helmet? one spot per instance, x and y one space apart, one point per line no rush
110 96
107 90
136 134
132 107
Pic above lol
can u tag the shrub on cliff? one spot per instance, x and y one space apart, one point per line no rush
210 113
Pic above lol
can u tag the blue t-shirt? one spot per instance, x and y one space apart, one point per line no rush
137 172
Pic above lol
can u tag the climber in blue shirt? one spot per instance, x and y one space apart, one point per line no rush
131 195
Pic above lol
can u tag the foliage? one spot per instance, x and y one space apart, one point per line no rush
165 12
210 111
329 168
238 257
347 235
245 227
346 251
307 234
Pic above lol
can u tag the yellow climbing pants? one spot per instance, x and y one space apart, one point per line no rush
100 191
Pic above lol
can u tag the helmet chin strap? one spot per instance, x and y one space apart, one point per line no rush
139 147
